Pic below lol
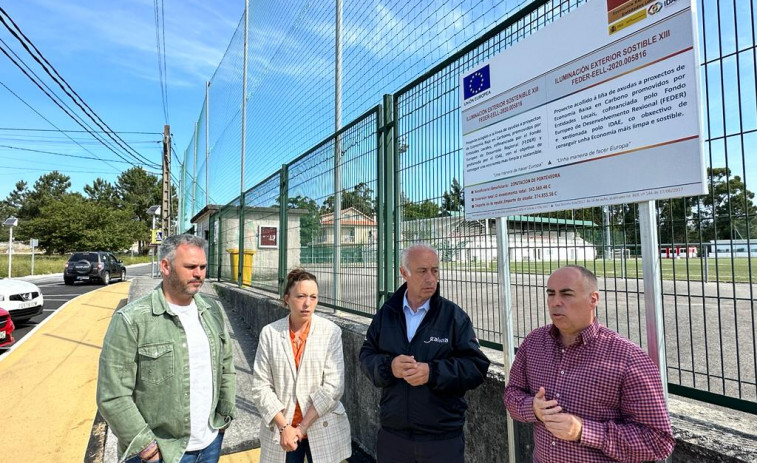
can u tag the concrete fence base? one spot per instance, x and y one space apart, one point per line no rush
704 434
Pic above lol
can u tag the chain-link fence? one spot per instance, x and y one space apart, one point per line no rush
393 176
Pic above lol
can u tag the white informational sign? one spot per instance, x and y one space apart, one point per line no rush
600 107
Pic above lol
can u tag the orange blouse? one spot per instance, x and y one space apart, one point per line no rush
298 347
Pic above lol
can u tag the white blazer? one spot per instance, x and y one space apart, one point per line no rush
277 386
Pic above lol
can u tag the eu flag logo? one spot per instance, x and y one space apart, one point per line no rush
476 82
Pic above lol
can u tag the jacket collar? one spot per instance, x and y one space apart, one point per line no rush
396 301
160 304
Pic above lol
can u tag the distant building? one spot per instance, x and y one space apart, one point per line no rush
732 248
356 228
530 238
676 251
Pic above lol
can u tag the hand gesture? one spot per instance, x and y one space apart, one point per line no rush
417 375
543 407
564 426
401 364
289 438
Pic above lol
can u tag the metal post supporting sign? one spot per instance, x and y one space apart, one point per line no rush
506 317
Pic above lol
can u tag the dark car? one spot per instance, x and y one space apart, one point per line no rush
99 266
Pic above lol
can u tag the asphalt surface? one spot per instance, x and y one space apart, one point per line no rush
56 294
49 377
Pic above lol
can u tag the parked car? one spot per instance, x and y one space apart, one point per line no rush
6 329
99 266
22 299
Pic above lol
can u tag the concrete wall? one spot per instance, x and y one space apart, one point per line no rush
704 434
265 262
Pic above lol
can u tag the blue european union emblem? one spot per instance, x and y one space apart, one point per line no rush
476 82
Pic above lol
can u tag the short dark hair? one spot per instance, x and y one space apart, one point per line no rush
297 275
167 249
588 275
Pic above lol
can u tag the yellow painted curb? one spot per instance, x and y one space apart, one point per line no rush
250 456
48 382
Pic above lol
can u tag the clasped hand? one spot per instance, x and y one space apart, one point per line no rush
290 438
414 373
562 425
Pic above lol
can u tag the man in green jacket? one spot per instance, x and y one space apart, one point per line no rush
167 384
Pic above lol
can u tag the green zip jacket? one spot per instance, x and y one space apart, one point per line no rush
143 382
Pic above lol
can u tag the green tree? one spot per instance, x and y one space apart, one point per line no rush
454 199
423 210
138 190
727 211
102 191
361 198
10 206
74 223
48 188
310 223
675 220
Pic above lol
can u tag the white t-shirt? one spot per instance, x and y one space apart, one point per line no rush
200 377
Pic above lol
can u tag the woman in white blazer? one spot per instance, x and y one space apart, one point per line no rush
298 379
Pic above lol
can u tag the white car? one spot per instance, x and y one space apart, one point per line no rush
22 299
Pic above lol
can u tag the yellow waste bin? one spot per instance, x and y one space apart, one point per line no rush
246 265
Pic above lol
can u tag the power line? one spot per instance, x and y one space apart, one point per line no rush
50 170
26 70
58 79
54 153
50 122
58 141
77 131
57 103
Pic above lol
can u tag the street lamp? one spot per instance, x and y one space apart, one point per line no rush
10 222
154 211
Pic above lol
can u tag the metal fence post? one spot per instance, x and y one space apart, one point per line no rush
390 184
244 145
381 174
283 225
207 143
506 320
650 261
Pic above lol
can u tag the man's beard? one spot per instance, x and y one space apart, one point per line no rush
182 287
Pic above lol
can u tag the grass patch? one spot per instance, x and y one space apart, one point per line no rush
45 265
730 270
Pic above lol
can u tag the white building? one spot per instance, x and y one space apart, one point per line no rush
530 238
732 248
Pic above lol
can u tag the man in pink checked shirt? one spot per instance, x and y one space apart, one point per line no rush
592 395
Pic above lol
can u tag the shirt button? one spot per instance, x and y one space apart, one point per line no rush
185 345
557 395
554 443
562 350
562 372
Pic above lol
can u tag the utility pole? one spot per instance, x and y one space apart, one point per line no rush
165 210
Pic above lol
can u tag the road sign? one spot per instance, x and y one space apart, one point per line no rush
157 237
33 242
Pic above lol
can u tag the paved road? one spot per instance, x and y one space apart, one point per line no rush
56 294
50 378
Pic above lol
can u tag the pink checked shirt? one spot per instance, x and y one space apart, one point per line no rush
604 379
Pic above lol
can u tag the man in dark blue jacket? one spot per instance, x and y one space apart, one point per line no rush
422 351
